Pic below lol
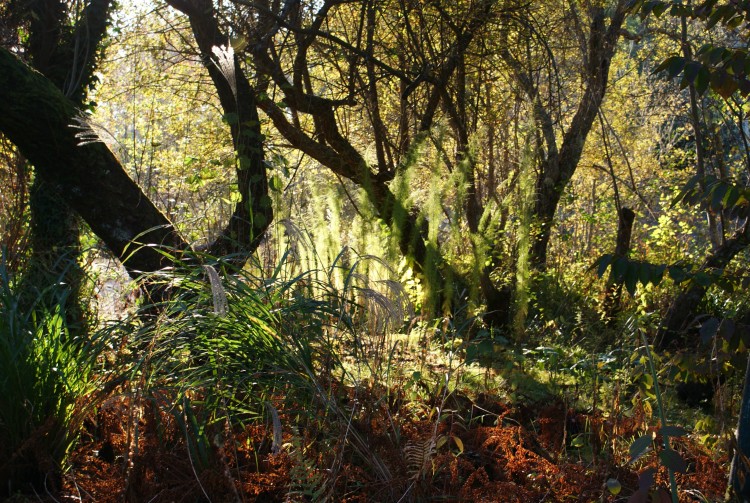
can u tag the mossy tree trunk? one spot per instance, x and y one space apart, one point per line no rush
66 54
37 112
36 116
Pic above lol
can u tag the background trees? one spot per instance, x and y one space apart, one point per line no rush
483 150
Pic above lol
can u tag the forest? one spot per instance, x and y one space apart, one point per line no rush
374 250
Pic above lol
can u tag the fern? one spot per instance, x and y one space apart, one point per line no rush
419 455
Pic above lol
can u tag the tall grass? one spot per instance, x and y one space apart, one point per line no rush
233 347
45 386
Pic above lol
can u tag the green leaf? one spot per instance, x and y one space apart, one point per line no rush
731 197
657 273
672 460
734 22
231 118
644 273
703 279
723 83
717 196
708 329
614 487
673 66
619 268
673 431
688 189
631 278
689 73
647 380
726 330
646 479
640 446
714 18
275 184
702 80
677 273
660 8
602 264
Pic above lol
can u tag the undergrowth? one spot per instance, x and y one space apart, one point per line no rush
284 384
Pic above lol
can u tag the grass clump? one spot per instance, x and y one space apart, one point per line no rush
45 388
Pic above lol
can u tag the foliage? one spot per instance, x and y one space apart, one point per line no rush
412 149
46 388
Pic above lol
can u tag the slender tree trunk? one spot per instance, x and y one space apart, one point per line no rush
559 165
253 213
739 473
714 230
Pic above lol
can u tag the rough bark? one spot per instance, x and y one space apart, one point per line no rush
613 293
739 473
36 117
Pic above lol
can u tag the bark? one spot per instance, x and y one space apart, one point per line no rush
327 145
714 230
67 57
622 248
739 473
683 308
36 117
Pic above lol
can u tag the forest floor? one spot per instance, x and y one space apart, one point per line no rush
478 449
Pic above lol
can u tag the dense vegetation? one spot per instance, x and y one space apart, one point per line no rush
374 250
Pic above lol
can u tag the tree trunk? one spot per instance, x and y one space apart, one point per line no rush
68 62
622 249
36 117
683 308
253 213
559 165
739 473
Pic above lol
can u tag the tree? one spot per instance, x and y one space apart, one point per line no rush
64 42
723 69
37 119
558 160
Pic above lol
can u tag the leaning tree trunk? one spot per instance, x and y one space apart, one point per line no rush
68 62
684 307
36 117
